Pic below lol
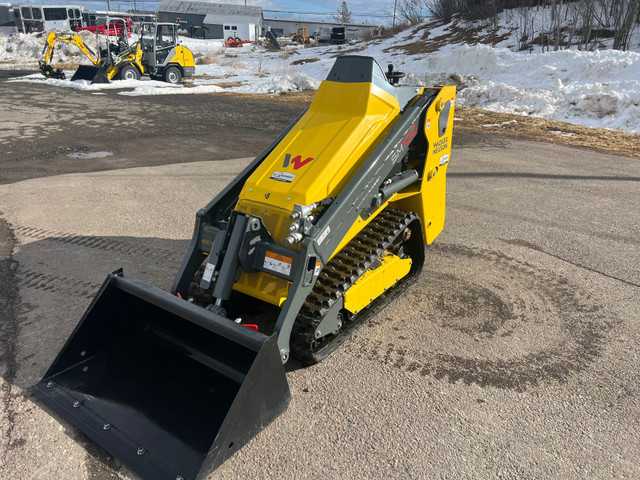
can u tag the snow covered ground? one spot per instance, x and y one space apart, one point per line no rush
598 89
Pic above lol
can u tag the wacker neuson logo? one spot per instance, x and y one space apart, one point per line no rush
297 162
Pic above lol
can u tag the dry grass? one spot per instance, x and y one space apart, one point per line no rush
293 98
206 59
551 131
302 61
457 33
229 84
348 51
287 53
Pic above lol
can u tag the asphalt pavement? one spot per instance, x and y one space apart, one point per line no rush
515 354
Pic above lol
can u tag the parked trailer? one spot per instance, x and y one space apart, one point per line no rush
8 25
43 18
336 35
97 18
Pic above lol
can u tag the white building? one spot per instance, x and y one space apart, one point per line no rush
213 20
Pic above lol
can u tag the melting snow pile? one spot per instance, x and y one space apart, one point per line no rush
24 50
598 89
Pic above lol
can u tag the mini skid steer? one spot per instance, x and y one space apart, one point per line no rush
318 233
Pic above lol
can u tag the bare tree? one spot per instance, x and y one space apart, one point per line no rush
412 11
572 22
344 14
627 10
588 19
443 10
556 21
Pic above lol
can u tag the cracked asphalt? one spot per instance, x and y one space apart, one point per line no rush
514 355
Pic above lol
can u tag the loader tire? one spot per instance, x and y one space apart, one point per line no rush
129 72
386 233
172 75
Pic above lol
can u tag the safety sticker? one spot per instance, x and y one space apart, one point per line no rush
316 271
428 123
444 159
323 235
277 263
208 272
283 176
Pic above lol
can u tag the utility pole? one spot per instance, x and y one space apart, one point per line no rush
395 5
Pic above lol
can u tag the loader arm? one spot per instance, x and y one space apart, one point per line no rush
49 49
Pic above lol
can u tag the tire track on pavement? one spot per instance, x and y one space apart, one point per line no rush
101 243
481 317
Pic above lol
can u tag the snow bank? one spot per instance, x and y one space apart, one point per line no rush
598 89
167 89
87 86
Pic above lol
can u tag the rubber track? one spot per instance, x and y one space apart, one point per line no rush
338 275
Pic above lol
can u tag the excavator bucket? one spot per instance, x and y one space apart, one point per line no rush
91 73
170 389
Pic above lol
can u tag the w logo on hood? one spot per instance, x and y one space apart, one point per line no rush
297 162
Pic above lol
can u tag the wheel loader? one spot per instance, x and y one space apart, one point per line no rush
157 53
322 230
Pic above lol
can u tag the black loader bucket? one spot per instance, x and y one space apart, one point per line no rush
50 72
168 388
90 72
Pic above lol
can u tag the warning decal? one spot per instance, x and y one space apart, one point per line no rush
277 263
208 272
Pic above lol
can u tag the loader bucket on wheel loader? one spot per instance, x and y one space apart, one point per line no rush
91 73
170 389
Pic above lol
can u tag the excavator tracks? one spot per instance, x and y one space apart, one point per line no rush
390 231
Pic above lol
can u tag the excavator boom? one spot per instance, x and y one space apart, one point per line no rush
49 49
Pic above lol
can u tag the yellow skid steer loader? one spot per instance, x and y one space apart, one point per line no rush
322 230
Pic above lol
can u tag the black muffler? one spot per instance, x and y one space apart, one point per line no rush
91 73
170 389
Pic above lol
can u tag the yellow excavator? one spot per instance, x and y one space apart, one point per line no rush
317 234
301 37
157 53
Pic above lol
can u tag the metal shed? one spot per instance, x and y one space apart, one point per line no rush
213 20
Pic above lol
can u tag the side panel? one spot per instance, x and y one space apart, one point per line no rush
344 122
182 57
430 203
